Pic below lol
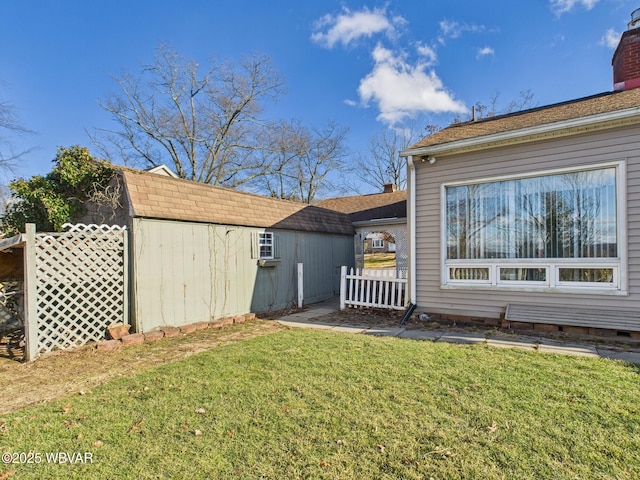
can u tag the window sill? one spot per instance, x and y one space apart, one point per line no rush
270 263
536 289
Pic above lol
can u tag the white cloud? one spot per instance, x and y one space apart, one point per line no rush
349 26
611 38
557 40
485 51
563 6
402 90
428 53
452 29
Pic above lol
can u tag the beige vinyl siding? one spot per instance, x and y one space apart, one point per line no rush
622 144
186 272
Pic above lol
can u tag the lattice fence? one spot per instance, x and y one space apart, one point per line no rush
81 284
399 234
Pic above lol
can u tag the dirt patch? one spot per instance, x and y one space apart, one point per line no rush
375 317
60 373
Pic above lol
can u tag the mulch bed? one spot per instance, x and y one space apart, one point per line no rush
391 318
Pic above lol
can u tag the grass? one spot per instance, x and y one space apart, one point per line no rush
379 260
312 404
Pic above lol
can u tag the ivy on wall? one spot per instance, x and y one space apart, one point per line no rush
59 197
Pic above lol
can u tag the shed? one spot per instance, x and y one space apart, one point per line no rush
199 252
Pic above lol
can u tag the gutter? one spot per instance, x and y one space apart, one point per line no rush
380 221
573 126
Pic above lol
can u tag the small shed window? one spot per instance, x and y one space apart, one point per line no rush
265 246
377 243
265 241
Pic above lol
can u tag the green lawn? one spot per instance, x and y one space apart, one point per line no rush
312 404
379 260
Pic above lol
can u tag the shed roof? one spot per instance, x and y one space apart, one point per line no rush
163 197
574 109
369 207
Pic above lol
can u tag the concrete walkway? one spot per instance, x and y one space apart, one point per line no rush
310 318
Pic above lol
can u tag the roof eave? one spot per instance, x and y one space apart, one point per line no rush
17 241
380 221
551 130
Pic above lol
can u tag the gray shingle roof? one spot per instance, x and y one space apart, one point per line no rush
574 109
369 207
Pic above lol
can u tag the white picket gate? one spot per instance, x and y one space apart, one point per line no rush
373 288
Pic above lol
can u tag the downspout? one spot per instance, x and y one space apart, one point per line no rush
412 230
411 205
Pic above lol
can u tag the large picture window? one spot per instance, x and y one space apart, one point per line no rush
550 230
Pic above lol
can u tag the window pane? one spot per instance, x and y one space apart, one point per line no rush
266 238
523 274
465 273
592 275
571 215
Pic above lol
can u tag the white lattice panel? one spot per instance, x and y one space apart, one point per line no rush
80 285
398 232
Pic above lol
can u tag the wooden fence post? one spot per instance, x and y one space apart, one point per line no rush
30 293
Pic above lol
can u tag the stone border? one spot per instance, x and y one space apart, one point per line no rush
170 332
524 327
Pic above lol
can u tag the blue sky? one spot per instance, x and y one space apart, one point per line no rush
366 65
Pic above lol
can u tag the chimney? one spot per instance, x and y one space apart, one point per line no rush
626 59
389 188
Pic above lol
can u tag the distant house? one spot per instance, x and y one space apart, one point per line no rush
199 252
378 219
534 215
378 242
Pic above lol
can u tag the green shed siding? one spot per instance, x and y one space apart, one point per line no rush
185 272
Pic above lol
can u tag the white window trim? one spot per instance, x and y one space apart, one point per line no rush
619 286
271 243
377 243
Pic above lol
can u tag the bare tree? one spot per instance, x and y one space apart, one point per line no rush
383 163
301 159
327 154
483 110
10 127
283 144
204 125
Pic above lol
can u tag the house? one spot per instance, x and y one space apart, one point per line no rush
380 217
199 252
379 242
534 216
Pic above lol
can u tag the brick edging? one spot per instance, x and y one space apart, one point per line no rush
530 327
170 332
